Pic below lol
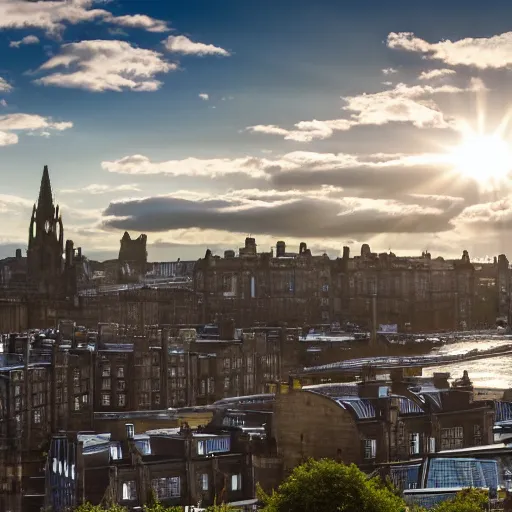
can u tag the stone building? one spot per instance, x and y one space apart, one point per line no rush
264 288
178 466
415 293
181 371
45 241
26 412
423 293
36 289
133 258
375 422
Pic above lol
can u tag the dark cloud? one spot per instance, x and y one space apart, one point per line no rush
383 182
304 217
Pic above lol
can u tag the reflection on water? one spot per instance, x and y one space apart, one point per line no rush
494 372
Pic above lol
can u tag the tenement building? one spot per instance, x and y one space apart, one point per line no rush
301 289
376 422
177 466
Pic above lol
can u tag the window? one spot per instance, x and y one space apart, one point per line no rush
172 371
203 387
105 399
144 399
121 385
204 482
37 416
452 438
414 443
115 452
76 403
239 362
129 491
211 386
76 376
165 488
105 371
155 386
227 363
249 383
227 383
105 384
370 448
121 400
249 363
120 372
452 472
477 432
213 445
431 445
236 482
156 398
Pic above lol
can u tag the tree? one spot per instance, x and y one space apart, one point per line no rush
467 500
328 486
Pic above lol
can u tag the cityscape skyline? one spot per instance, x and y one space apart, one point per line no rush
200 125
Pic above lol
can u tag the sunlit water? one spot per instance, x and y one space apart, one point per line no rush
493 372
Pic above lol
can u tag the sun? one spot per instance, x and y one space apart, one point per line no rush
485 158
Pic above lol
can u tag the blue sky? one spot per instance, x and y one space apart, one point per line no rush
202 122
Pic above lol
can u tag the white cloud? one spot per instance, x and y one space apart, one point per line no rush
9 202
436 73
24 41
12 122
184 46
3 103
105 66
484 52
7 139
403 103
204 96
400 104
139 21
256 167
389 71
31 123
98 189
5 86
140 164
305 131
53 15
50 16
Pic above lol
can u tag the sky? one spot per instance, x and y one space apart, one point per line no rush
200 123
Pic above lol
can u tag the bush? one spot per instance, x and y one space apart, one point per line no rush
328 486
468 500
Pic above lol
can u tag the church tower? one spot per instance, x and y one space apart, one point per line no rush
45 241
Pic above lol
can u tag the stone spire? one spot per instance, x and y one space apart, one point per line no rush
45 207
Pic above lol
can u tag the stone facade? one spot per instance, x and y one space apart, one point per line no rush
376 422
177 466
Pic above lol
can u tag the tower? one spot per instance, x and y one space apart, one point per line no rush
45 241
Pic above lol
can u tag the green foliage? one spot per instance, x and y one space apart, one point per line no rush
328 486
158 507
87 507
219 508
467 500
